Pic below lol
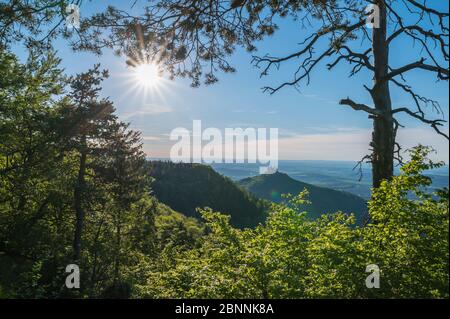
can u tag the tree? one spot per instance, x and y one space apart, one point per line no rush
408 238
124 160
33 178
293 257
36 23
27 140
86 123
111 178
194 39
73 186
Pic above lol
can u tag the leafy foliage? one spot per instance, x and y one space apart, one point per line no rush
293 257
74 188
36 23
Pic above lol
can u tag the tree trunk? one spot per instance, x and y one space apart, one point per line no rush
78 195
95 259
383 137
118 244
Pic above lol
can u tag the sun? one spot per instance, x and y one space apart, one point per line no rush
145 79
147 75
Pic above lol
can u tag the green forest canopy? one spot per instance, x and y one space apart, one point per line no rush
186 186
73 189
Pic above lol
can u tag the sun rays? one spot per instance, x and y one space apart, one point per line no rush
147 75
144 81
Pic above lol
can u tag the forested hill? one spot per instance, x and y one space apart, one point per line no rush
323 200
186 187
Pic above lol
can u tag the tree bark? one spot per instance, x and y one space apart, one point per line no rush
383 137
117 255
78 195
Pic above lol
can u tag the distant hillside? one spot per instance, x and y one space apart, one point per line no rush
174 227
323 200
185 186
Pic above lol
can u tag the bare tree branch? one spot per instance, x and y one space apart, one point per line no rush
442 73
435 124
360 107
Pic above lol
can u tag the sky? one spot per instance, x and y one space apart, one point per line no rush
312 125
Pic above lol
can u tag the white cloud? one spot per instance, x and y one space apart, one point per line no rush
343 144
149 109
152 138
336 146
352 146
409 138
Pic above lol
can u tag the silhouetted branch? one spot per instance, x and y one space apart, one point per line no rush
442 73
360 107
435 124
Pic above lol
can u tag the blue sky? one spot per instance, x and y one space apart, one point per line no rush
312 125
